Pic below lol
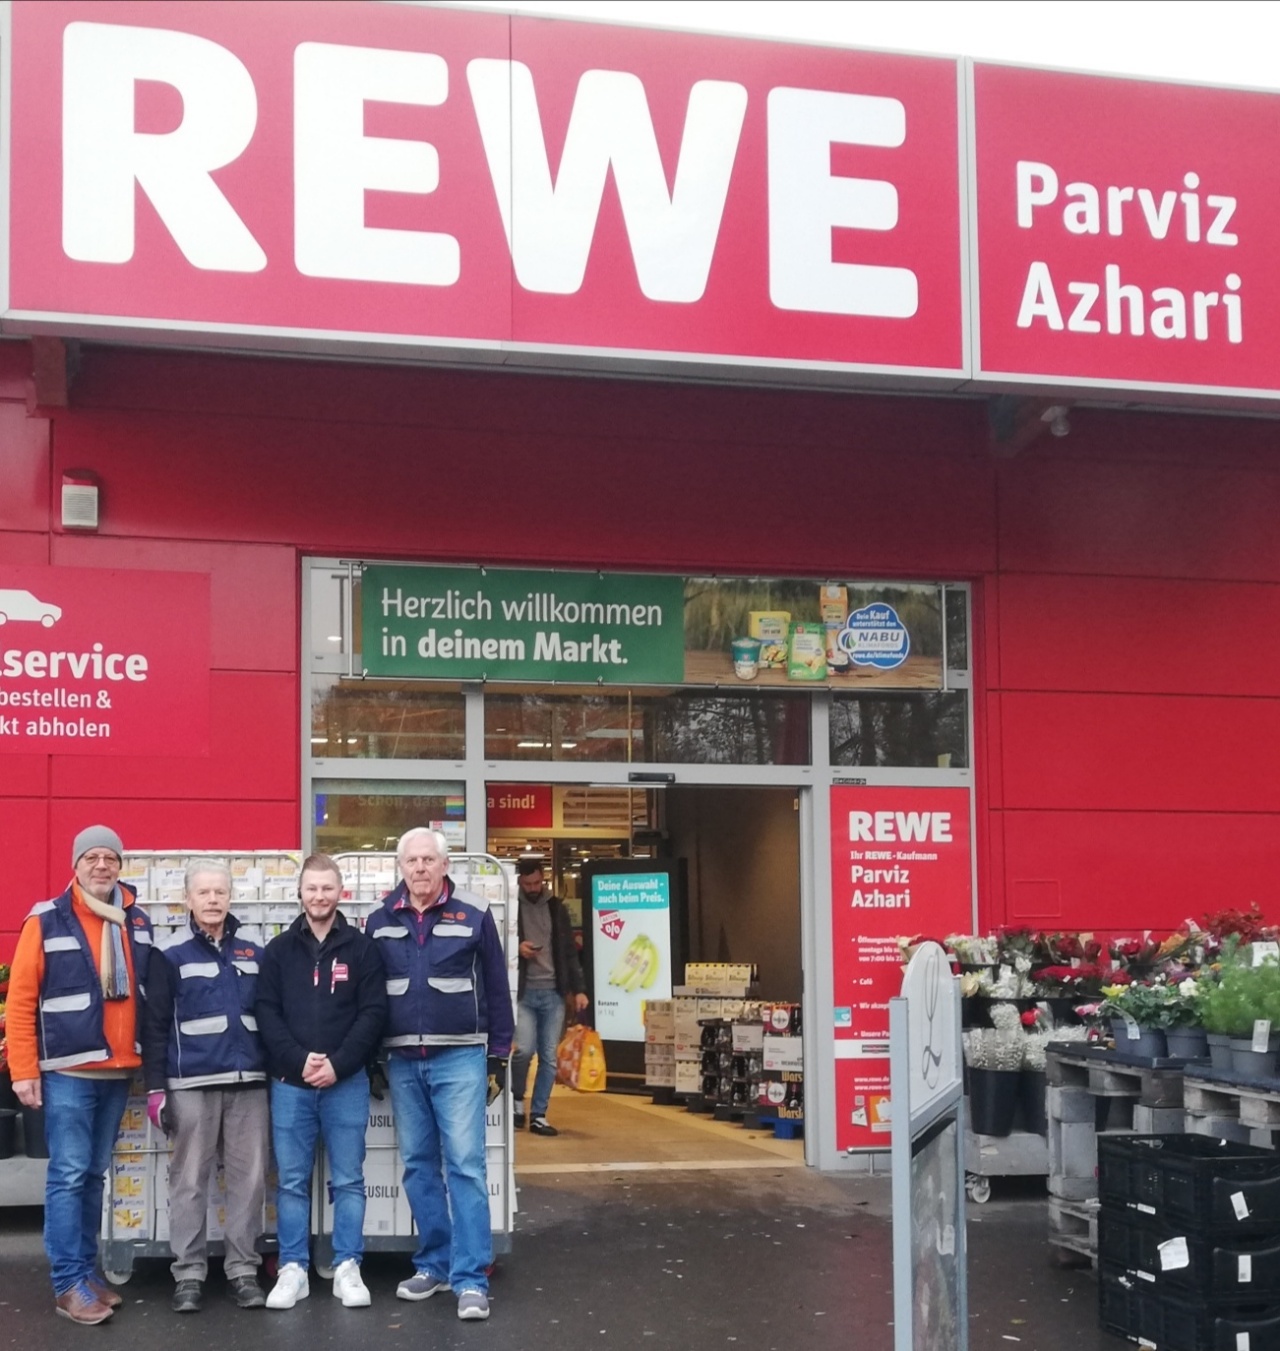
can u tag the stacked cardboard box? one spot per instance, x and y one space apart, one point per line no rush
660 1043
781 1085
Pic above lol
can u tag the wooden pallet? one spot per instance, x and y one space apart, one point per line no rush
1073 1231
1114 1079
1255 1107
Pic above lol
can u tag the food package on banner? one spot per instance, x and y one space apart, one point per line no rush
580 1060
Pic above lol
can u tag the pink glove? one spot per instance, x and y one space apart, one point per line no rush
155 1109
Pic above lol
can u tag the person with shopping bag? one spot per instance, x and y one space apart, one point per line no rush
550 973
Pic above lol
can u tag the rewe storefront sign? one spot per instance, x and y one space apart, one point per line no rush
431 182
103 662
901 864
383 173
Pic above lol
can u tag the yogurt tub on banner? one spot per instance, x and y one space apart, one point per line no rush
746 657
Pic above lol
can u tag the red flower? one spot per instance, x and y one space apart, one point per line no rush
1119 978
1029 1018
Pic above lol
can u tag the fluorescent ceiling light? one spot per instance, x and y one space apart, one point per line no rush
319 740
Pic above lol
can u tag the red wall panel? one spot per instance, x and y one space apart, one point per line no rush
23 549
253 590
24 836
253 751
1134 870
1137 634
23 775
1140 519
24 469
1108 752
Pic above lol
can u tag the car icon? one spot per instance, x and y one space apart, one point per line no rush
22 605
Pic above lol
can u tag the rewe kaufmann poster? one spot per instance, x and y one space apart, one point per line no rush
631 937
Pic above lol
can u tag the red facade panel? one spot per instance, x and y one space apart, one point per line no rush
253 752
24 832
1121 752
24 469
24 776
23 550
1129 634
253 590
1135 870
1119 517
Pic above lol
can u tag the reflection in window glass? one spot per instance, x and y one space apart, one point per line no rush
685 727
350 816
386 720
957 629
901 731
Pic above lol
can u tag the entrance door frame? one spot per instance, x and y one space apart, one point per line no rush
812 784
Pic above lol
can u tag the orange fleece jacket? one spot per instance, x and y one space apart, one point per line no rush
119 1016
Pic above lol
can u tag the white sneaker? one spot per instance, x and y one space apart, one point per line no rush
291 1286
348 1287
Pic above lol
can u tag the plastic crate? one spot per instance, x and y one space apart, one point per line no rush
1129 1307
1235 1266
1193 1180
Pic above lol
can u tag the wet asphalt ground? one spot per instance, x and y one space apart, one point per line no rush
758 1259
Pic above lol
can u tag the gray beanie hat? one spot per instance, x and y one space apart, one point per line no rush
96 837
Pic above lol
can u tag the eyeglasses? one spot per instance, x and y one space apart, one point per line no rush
100 860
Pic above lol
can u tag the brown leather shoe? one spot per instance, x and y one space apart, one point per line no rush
81 1305
106 1295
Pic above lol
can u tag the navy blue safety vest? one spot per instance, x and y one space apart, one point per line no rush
214 1039
69 1019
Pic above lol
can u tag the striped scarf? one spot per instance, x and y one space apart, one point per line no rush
113 968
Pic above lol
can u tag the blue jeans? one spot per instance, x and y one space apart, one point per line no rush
439 1103
82 1119
298 1117
539 1023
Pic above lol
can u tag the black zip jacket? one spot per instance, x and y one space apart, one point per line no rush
329 997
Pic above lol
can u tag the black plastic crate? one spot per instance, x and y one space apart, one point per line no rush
1214 1185
1237 1266
1130 1307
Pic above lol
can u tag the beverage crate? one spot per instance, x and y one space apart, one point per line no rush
1185 1261
1130 1308
1192 1180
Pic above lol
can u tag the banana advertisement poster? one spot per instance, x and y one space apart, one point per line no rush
631 937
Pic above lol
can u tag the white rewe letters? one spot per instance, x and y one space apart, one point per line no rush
550 223
550 227
806 202
887 827
103 156
335 163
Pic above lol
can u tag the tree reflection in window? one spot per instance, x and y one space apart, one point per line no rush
907 731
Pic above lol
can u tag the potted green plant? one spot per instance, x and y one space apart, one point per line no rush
1237 1005
1140 1012
1186 1035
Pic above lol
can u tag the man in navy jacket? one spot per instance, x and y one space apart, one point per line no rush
449 1028
321 1006
206 1082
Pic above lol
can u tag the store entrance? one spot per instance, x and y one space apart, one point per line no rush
733 858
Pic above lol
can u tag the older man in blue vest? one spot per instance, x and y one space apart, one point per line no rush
206 1081
449 1030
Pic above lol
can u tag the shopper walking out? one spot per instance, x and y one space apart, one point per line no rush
449 1031
72 1022
206 1082
321 1005
549 974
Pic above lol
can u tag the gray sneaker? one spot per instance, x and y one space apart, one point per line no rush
421 1285
473 1304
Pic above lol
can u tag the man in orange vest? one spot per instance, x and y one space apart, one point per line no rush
72 1023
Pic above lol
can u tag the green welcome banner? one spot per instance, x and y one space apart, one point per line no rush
586 628
497 624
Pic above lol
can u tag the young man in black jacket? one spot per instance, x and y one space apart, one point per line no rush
321 1006
549 973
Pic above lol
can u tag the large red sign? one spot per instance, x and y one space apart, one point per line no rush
425 178
522 806
1126 232
901 865
103 662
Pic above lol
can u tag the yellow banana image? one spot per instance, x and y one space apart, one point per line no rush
655 965
631 962
637 974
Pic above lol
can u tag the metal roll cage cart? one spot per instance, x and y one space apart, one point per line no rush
135 1217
